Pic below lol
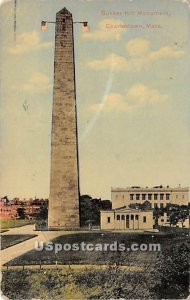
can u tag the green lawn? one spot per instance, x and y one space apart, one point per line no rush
5 224
13 239
57 285
138 258
164 276
109 283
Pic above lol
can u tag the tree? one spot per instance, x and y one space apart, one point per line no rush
134 205
178 214
171 273
182 216
106 205
173 219
43 213
157 212
145 206
21 212
90 209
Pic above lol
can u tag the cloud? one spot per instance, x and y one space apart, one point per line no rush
164 52
139 56
4 1
28 41
143 95
103 33
114 61
113 101
119 63
38 83
138 96
138 47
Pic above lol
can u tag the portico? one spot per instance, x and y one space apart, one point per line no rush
126 219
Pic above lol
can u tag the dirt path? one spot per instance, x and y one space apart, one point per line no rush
23 247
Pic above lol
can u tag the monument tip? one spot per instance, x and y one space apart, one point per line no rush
64 11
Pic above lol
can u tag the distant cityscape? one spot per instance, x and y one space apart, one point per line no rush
17 208
132 207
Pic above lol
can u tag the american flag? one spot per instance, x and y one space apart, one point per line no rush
44 26
85 27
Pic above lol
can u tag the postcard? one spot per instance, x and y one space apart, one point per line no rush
95 142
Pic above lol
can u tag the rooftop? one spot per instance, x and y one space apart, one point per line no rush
148 188
126 209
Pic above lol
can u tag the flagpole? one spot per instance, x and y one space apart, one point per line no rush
51 22
15 6
44 25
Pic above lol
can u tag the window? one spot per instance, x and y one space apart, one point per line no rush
118 217
155 196
161 196
132 217
143 196
131 196
108 219
137 196
155 205
167 196
136 217
162 220
149 196
161 205
144 219
127 217
122 217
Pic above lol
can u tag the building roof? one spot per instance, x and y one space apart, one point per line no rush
126 209
149 189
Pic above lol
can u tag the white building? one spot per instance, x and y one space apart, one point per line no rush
158 196
124 218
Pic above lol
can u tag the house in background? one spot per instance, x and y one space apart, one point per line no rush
9 208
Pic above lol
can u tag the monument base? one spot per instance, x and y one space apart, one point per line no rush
64 228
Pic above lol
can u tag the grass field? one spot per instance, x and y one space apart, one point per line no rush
5 224
138 258
58 284
13 239
112 282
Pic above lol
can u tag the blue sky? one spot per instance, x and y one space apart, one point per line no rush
132 95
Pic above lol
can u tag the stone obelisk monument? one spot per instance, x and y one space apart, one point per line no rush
63 210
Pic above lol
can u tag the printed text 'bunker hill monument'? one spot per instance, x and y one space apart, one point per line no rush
63 210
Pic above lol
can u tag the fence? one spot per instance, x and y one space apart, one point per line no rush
67 268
